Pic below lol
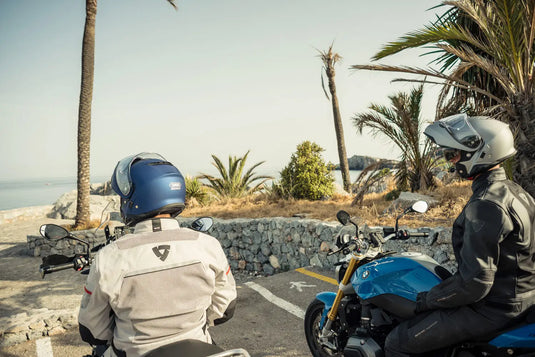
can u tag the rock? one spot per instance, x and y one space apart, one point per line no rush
65 206
315 261
13 339
274 261
406 199
268 269
21 327
358 162
38 325
102 189
25 213
325 247
56 331
35 334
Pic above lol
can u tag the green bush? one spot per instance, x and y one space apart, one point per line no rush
392 195
307 176
233 181
196 191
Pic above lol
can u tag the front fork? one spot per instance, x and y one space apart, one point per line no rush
326 332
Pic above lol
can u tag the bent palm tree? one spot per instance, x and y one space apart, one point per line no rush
329 60
233 182
84 114
503 49
401 123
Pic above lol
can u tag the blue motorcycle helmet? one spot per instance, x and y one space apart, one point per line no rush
148 185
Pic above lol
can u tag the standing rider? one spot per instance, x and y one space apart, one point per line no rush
161 284
493 240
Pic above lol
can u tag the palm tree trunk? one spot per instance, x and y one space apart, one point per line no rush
339 129
84 115
524 171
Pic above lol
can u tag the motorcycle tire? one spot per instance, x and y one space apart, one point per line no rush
313 331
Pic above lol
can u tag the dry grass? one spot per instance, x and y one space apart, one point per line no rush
452 199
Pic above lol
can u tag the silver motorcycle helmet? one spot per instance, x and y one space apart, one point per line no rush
481 141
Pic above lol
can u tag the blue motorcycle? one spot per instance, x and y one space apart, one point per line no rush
377 290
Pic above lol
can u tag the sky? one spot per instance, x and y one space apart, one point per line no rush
213 78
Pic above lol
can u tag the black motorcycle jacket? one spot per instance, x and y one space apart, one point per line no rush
494 244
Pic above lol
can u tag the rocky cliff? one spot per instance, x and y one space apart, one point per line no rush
357 162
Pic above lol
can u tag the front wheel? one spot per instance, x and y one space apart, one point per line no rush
313 331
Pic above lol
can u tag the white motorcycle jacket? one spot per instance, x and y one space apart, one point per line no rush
159 285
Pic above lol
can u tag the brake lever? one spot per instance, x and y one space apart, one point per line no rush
335 251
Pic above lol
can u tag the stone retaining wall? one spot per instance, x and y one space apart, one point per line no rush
270 245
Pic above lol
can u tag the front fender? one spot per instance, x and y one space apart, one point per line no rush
327 298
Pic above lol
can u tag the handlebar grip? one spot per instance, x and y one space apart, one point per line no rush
419 234
47 269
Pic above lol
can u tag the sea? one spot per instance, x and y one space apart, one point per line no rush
40 192
36 192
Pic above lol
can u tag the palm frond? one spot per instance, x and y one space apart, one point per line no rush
233 182
172 3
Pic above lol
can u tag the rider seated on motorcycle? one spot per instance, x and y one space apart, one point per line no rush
161 284
493 240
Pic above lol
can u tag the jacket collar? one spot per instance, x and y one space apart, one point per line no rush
488 177
156 225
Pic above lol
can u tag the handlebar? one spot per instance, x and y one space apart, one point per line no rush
47 269
358 244
77 263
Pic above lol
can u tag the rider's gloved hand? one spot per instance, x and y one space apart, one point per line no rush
79 263
421 304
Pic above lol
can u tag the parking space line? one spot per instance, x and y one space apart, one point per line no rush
43 347
317 276
288 306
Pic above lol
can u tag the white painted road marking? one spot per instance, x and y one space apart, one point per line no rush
299 285
43 347
288 306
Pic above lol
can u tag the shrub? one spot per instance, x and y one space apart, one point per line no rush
307 176
233 181
392 195
195 191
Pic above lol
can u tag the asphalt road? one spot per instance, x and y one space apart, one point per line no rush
268 320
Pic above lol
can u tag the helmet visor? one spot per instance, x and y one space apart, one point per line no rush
461 130
122 171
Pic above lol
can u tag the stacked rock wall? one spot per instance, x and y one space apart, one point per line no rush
270 245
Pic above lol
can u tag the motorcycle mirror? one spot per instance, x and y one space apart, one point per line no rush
420 206
343 217
202 224
53 232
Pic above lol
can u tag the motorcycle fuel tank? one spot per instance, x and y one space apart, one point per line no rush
401 274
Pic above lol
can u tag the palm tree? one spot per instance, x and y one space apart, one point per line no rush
84 114
368 177
402 124
329 60
502 48
233 182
